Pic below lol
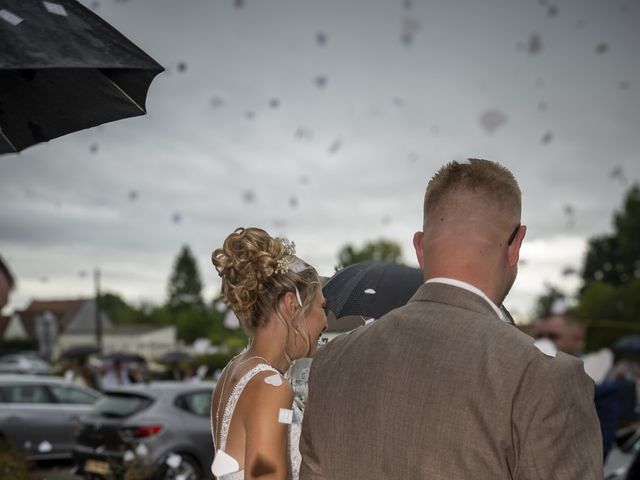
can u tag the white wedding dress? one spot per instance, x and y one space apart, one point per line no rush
224 466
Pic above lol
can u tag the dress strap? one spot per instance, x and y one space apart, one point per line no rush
235 396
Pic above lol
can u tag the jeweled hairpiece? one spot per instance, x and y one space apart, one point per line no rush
289 261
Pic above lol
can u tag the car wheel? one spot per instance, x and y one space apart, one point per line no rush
188 469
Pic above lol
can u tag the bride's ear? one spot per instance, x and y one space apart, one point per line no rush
289 304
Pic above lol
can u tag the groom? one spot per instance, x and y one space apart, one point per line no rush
446 388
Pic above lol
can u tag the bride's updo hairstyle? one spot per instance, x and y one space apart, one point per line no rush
257 270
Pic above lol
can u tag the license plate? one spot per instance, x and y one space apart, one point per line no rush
96 466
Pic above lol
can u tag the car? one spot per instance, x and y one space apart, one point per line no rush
163 427
24 363
38 414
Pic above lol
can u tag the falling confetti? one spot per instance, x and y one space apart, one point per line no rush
567 271
398 102
491 120
542 106
386 220
83 273
303 133
274 103
248 196
335 147
128 456
174 460
617 173
370 291
45 447
93 148
217 102
321 39
220 306
624 85
293 202
602 48
408 4
321 81
534 46
182 67
238 4
552 11
249 115
95 5
176 218
410 28
569 213
133 195
304 180
546 138
413 157
44 279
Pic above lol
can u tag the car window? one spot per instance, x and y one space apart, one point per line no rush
69 394
25 394
198 403
121 405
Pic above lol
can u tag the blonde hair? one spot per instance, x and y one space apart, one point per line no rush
495 183
253 281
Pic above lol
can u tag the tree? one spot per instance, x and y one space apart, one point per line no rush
118 310
546 301
615 259
380 250
610 295
185 286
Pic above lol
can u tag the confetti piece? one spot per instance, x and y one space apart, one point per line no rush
370 291
492 120
9 17
174 460
55 8
275 380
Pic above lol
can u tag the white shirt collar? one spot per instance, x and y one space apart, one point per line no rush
472 289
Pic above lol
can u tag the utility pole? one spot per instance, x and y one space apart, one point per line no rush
96 281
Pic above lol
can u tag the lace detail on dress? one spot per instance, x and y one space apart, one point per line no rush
233 400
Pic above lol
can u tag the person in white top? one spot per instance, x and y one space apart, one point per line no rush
278 300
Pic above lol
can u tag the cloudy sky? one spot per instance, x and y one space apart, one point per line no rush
323 121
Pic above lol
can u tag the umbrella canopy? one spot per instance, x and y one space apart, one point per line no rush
123 357
370 289
175 357
79 351
630 344
63 69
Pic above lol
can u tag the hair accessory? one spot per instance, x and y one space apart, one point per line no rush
298 296
288 258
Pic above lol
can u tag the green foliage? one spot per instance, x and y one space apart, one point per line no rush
118 311
185 285
547 299
610 296
615 258
603 301
380 250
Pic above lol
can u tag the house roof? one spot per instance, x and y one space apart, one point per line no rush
63 311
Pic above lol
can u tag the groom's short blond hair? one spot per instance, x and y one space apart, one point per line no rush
494 183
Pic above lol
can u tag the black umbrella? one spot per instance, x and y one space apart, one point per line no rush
62 69
123 357
79 351
370 289
175 357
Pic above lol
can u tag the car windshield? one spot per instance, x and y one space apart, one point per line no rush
121 404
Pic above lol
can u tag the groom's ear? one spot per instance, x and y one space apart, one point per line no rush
417 244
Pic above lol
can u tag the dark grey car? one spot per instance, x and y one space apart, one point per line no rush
38 414
163 426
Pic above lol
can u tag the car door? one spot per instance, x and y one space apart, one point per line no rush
195 410
71 403
28 419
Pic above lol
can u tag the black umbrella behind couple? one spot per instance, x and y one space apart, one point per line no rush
62 69
369 290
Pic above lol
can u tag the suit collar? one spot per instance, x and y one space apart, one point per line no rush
454 295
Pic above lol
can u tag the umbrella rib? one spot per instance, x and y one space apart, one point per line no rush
126 95
8 141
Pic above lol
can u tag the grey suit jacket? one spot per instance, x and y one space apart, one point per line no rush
442 389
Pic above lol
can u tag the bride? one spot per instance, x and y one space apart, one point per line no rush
278 299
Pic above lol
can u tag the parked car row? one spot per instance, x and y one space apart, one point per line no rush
161 427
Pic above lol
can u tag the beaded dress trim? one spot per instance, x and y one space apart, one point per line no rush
235 396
